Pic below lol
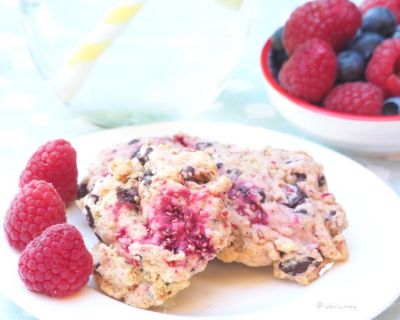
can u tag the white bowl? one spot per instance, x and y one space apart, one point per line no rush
369 134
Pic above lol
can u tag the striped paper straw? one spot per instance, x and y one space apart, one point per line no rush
72 74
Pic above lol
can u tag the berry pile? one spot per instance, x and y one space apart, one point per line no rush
54 260
341 57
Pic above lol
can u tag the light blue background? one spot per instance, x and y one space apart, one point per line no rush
31 115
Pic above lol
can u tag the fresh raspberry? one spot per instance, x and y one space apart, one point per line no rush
355 97
382 70
56 263
36 207
54 162
310 72
335 21
392 5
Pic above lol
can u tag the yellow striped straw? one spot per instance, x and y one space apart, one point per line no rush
75 70
73 73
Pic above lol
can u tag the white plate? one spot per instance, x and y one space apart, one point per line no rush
361 288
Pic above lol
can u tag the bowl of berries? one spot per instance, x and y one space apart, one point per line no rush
333 70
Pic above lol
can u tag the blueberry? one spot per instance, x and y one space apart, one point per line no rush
128 196
396 34
276 59
294 196
277 44
300 177
351 65
365 43
380 20
277 55
233 174
244 190
187 173
391 106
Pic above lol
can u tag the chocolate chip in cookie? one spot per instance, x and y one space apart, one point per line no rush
294 267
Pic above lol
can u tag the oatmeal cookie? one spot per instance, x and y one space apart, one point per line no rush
160 217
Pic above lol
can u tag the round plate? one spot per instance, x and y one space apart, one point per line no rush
360 288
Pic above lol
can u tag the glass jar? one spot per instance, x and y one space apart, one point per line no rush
168 61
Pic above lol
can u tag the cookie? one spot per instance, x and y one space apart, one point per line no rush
281 211
160 217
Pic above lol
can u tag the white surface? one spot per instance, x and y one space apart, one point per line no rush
359 289
364 136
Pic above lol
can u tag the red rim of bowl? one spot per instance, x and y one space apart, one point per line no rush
308 106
